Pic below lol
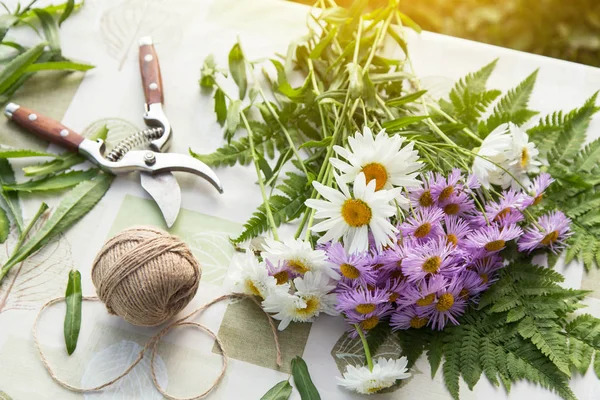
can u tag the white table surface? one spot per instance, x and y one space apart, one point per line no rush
105 33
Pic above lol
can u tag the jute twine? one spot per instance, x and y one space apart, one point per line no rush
147 276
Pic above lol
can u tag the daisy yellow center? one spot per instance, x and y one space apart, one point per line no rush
427 300
298 266
365 308
550 238
524 157
251 287
503 213
356 213
312 306
464 294
416 322
425 200
445 302
377 172
281 277
375 389
349 271
451 209
423 230
393 297
432 264
484 278
538 199
447 192
369 323
452 238
495 245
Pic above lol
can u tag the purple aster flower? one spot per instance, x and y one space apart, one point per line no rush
442 188
458 203
472 183
553 233
424 224
456 229
505 211
422 294
356 266
280 271
486 267
362 301
472 285
492 239
422 197
391 259
428 259
368 321
539 186
448 305
406 318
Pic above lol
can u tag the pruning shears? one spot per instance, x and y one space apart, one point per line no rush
154 164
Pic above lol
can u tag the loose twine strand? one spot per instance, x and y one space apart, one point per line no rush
152 344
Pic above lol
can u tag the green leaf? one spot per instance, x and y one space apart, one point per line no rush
59 66
233 119
20 153
597 364
281 391
53 182
220 107
16 68
316 143
78 202
407 21
237 67
304 384
207 73
49 26
323 43
402 122
73 299
13 205
4 396
409 98
70 6
4 225
6 22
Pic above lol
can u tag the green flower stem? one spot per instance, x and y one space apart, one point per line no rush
363 339
450 119
357 43
260 178
380 34
23 235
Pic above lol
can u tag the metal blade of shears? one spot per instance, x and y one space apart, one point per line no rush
165 191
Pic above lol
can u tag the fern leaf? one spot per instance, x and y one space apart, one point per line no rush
597 363
580 355
489 357
545 133
469 356
434 353
413 342
588 158
451 370
546 337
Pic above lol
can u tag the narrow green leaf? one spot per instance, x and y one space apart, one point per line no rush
316 52
316 143
16 68
73 299
50 28
6 22
207 72
408 22
233 119
409 98
399 123
59 66
20 153
4 225
59 164
53 182
281 391
220 107
304 384
13 205
401 42
78 202
237 67
597 364
69 7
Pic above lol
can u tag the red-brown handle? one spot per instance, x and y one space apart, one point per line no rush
44 127
150 70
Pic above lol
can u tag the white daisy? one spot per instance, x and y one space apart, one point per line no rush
298 256
247 275
380 158
522 158
313 296
350 216
494 147
384 375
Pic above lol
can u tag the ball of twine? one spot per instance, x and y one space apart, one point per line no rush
145 275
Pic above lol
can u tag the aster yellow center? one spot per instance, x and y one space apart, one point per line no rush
495 245
312 306
451 209
298 266
251 287
393 297
550 238
503 213
425 200
451 238
349 271
281 277
365 308
447 192
445 302
484 278
538 199
356 213
464 294
369 323
423 230
427 300
417 322
524 157
377 172
432 264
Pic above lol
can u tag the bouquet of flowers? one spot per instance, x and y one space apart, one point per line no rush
418 218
